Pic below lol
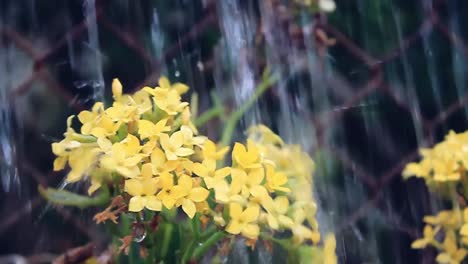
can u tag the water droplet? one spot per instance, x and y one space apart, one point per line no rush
80 84
139 233
90 83
177 74
200 66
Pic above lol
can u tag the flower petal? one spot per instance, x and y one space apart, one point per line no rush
136 204
134 187
153 203
183 152
223 172
234 227
251 231
200 170
198 194
189 207
250 214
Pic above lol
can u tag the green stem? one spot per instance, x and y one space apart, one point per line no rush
205 246
208 232
236 116
168 228
194 104
208 115
189 251
195 224
280 242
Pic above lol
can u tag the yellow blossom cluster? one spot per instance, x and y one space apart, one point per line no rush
448 233
148 140
300 215
445 162
443 169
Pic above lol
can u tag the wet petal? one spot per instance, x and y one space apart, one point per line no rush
136 204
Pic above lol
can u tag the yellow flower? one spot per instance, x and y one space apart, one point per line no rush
143 190
447 218
224 193
173 146
189 195
243 221
160 163
427 239
123 112
263 134
275 180
147 129
116 88
96 122
66 147
301 232
452 254
329 255
168 100
81 161
248 183
247 158
276 213
142 101
189 139
416 169
97 176
184 166
445 162
63 149
210 152
168 194
123 157
186 119
211 176
164 83
464 228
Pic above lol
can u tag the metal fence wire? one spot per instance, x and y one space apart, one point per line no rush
406 118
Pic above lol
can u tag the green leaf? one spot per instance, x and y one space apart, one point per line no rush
63 197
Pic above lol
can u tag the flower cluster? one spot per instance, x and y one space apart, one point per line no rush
448 233
299 215
443 169
445 162
148 149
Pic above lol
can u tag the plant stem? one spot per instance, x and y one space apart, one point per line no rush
208 232
188 252
208 115
283 244
168 228
205 246
236 116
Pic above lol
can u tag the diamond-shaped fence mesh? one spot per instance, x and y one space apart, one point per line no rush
379 78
